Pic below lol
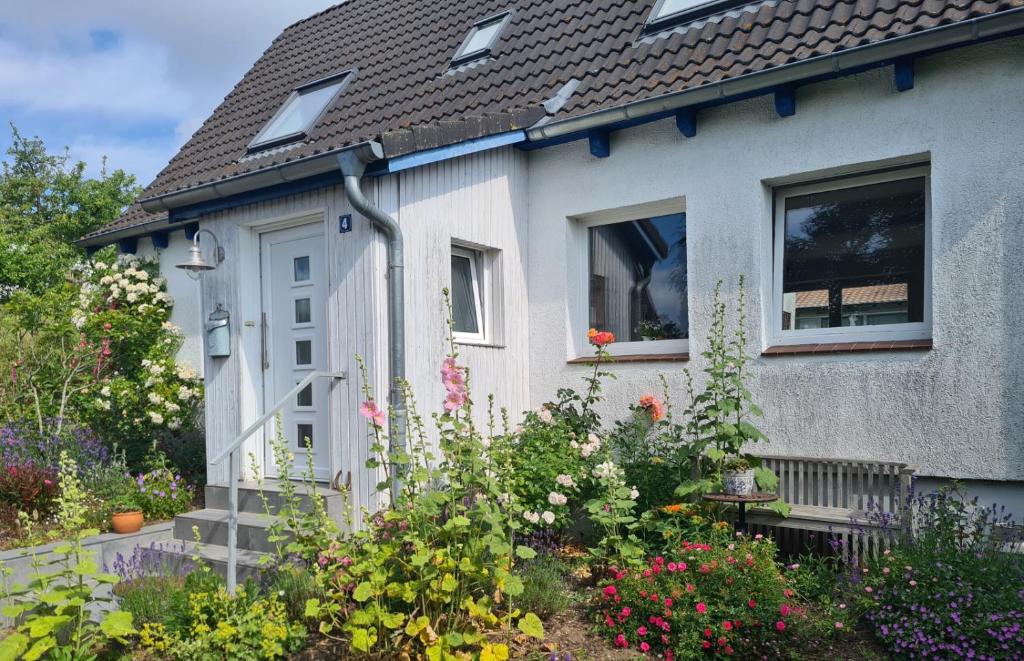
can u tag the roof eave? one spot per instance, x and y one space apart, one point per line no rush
855 59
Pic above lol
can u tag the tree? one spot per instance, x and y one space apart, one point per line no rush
46 203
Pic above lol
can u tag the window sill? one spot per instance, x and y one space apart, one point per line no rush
478 343
636 358
847 347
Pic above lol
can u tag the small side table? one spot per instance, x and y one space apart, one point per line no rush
755 498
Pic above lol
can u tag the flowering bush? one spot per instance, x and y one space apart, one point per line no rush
434 575
947 588
721 599
23 444
161 494
26 488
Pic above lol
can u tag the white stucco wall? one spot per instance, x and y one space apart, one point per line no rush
957 410
185 291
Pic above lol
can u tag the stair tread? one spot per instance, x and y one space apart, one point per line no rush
253 519
214 553
275 487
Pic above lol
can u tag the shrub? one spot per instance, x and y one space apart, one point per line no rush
28 488
161 494
714 599
219 626
946 587
22 443
545 591
153 599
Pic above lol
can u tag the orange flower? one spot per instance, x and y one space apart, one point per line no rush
672 509
653 406
600 338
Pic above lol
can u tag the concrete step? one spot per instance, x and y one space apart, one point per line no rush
253 529
249 498
180 557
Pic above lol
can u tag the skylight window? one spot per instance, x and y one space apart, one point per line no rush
481 39
669 13
300 112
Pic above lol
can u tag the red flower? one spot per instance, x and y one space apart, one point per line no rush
727 625
706 644
600 338
752 603
702 608
609 590
707 633
654 407
780 625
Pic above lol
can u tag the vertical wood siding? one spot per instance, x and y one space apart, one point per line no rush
478 200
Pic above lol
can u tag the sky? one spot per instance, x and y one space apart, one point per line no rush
128 79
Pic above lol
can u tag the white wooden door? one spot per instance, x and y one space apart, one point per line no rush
294 296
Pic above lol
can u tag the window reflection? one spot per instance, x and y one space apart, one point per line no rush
855 257
638 278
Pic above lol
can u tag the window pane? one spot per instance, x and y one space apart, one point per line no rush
638 279
464 296
481 36
305 396
303 314
301 269
304 435
670 7
304 352
855 257
300 111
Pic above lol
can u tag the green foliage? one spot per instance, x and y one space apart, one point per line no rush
161 494
720 599
153 599
219 626
613 512
435 574
55 608
947 581
47 203
545 589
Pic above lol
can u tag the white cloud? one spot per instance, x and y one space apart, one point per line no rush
171 63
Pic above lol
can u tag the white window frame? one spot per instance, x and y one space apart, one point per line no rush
462 56
919 330
261 142
579 241
475 258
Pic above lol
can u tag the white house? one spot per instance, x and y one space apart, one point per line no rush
562 165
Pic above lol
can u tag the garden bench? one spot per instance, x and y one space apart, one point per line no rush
836 496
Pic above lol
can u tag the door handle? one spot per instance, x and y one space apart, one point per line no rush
264 349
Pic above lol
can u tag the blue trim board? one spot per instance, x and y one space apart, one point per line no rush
428 156
601 143
903 74
160 239
785 100
686 122
129 245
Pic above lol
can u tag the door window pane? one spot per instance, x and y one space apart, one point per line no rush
855 256
304 352
638 281
465 293
305 396
301 269
303 314
304 437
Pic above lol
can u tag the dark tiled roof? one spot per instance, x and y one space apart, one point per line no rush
404 96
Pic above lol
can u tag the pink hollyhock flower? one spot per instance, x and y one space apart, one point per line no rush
372 412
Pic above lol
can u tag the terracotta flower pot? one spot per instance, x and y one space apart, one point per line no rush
126 522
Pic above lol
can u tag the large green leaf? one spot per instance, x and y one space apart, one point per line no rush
117 625
363 591
766 478
531 625
13 646
525 552
363 639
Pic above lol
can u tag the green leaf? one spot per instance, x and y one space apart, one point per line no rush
111 579
41 647
393 620
714 454
117 625
13 646
525 552
448 583
13 610
780 507
312 608
531 625
363 639
766 478
363 591
86 567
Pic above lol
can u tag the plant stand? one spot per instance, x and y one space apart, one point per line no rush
741 501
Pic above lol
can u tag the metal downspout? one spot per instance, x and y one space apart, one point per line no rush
353 164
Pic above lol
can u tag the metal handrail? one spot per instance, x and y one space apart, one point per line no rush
234 464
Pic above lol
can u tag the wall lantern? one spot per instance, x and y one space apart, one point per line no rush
218 333
196 265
